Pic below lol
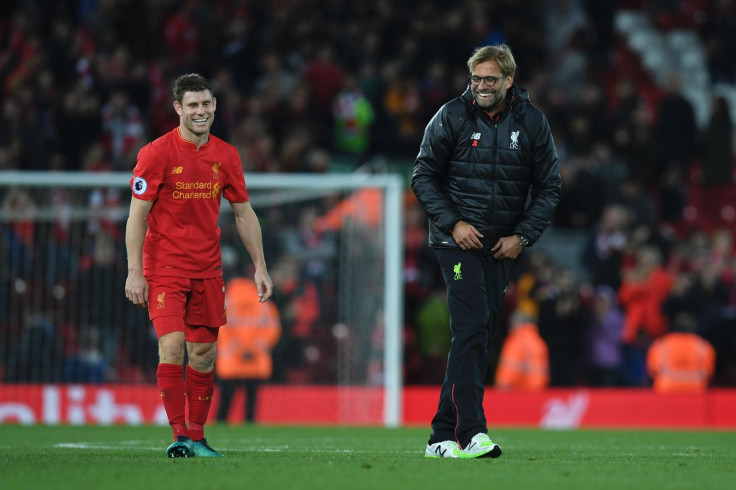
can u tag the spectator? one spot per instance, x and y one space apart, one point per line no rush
719 32
610 169
604 251
540 273
702 292
275 77
681 361
312 247
719 158
433 336
244 346
524 360
325 78
123 130
181 36
97 289
402 107
564 18
298 114
37 356
87 365
604 356
19 234
637 202
421 275
574 210
644 287
353 116
569 66
299 306
80 121
562 321
635 136
435 86
677 128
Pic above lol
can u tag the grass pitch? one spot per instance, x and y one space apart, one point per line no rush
269 457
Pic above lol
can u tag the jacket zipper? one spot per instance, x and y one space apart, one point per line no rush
493 173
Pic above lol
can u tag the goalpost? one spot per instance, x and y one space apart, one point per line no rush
340 288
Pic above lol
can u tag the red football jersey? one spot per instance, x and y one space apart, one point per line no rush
186 185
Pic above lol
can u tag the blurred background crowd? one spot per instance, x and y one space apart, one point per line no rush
646 144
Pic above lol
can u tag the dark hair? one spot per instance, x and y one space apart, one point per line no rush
191 82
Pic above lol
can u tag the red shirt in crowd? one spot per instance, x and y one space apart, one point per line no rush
642 304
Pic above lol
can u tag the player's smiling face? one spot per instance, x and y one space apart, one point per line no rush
490 96
196 113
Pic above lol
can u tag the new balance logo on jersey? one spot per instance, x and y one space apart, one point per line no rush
177 170
475 137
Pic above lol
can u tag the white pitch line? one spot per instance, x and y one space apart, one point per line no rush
92 445
124 445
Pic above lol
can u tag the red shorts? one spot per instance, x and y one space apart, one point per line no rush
194 306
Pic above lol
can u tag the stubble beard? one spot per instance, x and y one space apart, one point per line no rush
490 104
193 128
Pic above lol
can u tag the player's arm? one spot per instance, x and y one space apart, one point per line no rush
136 286
249 230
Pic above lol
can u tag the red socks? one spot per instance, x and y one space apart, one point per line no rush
171 385
199 388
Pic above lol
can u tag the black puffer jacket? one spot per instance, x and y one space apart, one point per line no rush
502 176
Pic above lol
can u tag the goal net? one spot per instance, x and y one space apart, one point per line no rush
333 247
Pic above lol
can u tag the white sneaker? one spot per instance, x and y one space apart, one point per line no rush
481 446
444 449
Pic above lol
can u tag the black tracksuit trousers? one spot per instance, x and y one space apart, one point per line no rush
476 284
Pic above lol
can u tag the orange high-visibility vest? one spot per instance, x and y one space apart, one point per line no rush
245 343
524 360
681 362
364 207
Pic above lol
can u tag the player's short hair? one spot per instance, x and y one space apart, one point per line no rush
191 82
501 54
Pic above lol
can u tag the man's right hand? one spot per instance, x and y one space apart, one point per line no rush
466 236
136 289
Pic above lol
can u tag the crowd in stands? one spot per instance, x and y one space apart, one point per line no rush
304 84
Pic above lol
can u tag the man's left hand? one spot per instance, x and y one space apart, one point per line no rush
507 247
264 285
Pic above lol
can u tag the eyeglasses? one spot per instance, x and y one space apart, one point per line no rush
490 80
